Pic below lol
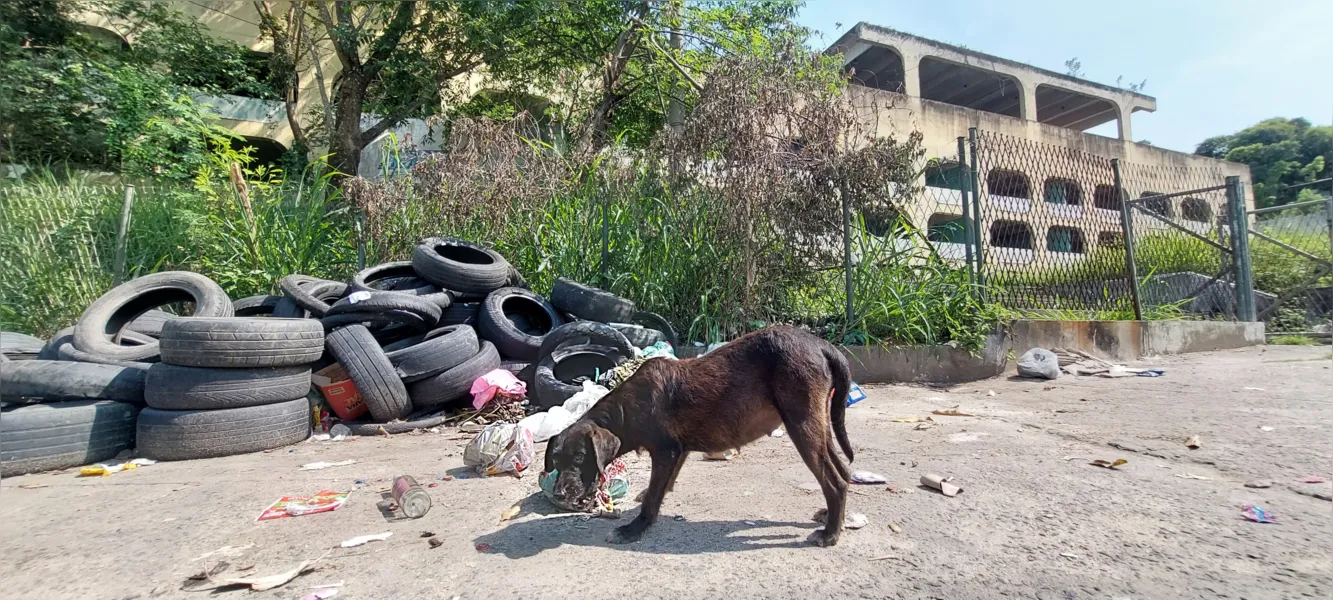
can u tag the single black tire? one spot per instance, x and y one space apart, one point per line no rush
65 380
640 336
386 302
400 277
438 351
653 320
20 346
461 266
502 314
587 302
64 336
378 320
67 352
150 323
170 387
287 309
45 437
370 370
191 434
462 313
554 375
108 315
312 294
585 332
455 383
241 342
256 306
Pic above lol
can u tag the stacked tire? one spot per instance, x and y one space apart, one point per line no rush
228 385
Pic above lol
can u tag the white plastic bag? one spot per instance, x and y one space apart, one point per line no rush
546 425
500 448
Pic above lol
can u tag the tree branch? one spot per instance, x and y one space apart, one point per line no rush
346 55
393 34
402 112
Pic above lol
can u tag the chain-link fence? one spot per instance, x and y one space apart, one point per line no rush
1291 255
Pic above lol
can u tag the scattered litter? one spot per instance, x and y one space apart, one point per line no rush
1151 372
499 381
435 543
510 513
295 506
1039 363
612 485
32 486
750 523
855 394
951 412
932 480
544 425
409 496
1259 484
1070 555
913 420
893 489
315 466
428 534
483 547
500 448
104 470
679 517
1069 458
923 426
321 594
1193 443
895 528
324 585
1313 479
365 539
990 392
866 477
1193 476
777 433
893 557
1107 464
1265 428
1047 388
1255 389
1258 515
259 584
853 520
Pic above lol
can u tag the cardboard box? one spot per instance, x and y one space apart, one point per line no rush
337 387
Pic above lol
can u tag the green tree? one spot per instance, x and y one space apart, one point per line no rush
1280 152
66 96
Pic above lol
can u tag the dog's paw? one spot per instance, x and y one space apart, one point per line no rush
823 539
624 535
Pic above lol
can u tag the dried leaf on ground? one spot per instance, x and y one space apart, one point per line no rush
951 412
1107 464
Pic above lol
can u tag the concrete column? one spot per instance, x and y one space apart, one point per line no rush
1124 122
1029 91
911 72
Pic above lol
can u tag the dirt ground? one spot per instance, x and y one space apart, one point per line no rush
1035 519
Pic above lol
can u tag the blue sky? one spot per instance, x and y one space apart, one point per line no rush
1215 67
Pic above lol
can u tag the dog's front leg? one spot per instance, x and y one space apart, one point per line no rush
666 463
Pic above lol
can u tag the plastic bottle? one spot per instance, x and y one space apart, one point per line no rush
413 500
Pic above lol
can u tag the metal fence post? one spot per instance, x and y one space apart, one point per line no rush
1240 249
122 235
1127 225
847 253
976 211
968 235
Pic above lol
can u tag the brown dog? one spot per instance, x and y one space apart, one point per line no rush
726 399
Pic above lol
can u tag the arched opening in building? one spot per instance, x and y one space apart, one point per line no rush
1072 110
1104 197
879 67
1011 234
105 37
1195 209
970 87
944 228
1064 239
1008 183
264 151
1062 190
1161 206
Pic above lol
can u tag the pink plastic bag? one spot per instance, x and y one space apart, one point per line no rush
497 381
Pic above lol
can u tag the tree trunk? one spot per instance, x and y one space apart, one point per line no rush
345 143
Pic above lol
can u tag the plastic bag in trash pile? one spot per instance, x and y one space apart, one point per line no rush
613 378
545 425
612 485
1039 362
662 349
500 448
499 381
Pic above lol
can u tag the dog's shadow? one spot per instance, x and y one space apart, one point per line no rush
520 538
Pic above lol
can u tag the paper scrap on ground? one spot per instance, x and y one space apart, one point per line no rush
1313 479
1107 464
913 420
866 477
315 466
1193 443
1258 515
295 506
105 470
365 539
1193 476
259 584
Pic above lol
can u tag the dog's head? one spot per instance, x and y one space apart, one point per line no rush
580 453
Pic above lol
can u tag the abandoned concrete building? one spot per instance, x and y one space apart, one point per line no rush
1038 205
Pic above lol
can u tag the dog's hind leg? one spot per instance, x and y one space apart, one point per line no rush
811 440
666 465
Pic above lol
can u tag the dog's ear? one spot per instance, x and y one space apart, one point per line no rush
605 444
550 456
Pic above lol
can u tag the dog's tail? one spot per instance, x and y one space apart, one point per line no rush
842 383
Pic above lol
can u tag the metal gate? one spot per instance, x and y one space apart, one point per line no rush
1291 257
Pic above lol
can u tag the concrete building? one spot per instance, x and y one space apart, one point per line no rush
1042 203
